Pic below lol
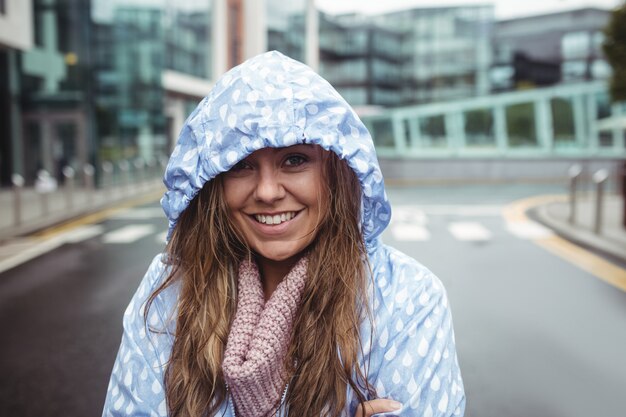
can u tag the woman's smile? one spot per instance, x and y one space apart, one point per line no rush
275 219
270 224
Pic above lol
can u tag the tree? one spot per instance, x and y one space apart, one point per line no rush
615 50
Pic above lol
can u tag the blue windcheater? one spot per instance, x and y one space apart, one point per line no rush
274 101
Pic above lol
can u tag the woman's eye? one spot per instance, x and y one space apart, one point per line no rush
241 165
295 160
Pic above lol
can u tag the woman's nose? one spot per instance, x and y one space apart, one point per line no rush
269 187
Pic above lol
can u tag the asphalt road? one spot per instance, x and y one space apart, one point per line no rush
536 336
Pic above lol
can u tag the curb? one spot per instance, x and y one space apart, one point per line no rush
62 218
578 235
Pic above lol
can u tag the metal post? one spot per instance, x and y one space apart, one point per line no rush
68 173
89 172
44 185
574 175
599 178
139 172
150 164
18 184
107 170
124 172
622 181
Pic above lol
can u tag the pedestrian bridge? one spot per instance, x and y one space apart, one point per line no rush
563 122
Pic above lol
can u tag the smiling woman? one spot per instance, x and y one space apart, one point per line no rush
275 295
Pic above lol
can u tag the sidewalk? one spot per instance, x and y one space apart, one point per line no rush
22 231
611 241
35 211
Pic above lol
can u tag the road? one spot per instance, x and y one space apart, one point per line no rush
536 335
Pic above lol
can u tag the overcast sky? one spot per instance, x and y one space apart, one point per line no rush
504 9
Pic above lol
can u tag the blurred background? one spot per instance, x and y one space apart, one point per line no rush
501 131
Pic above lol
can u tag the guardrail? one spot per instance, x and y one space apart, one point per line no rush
47 202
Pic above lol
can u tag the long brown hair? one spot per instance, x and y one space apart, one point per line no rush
205 251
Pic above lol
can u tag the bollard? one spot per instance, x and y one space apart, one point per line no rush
599 178
150 171
139 172
89 171
44 185
18 184
622 181
574 176
124 167
107 174
68 173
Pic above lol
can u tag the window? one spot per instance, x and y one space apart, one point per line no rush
575 45
433 131
382 132
563 122
479 128
520 124
574 70
600 69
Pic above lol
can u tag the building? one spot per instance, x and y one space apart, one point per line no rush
16 36
547 49
449 50
408 57
362 60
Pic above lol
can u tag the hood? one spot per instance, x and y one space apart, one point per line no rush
272 101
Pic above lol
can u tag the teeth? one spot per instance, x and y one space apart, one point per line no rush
276 219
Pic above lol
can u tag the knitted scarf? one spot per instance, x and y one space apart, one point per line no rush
254 360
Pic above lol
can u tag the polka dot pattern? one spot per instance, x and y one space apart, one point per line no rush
272 101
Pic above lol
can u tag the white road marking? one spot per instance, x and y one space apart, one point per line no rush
469 231
408 214
160 238
128 234
529 230
140 214
29 252
83 233
22 251
450 209
407 232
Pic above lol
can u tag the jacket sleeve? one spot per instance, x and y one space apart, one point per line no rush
136 384
413 354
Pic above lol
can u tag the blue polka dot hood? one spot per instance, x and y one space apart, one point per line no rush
408 353
272 101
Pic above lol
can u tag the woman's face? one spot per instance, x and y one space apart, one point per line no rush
277 198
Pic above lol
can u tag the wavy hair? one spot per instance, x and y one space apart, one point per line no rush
205 251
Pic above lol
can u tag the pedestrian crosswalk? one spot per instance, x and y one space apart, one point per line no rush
469 231
465 223
409 224
128 234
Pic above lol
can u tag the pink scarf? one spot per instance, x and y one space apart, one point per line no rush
259 339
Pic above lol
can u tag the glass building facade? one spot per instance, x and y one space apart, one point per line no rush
91 88
286 27
543 50
362 60
448 50
410 57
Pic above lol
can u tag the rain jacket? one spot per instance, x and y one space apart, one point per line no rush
274 101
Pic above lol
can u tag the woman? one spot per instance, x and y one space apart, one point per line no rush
276 295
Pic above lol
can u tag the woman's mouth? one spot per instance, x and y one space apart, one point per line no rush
275 219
